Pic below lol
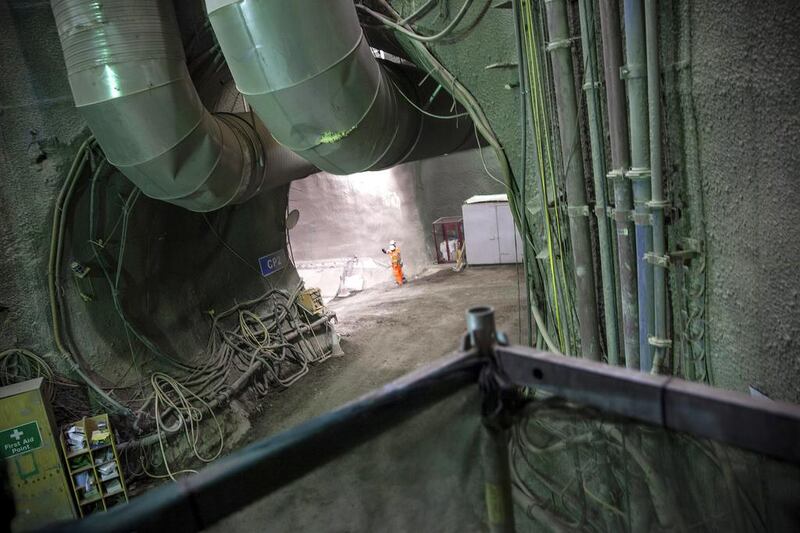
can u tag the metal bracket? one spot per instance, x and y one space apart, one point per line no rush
79 270
690 248
591 86
616 174
657 260
630 72
638 174
561 43
657 204
501 65
577 211
659 343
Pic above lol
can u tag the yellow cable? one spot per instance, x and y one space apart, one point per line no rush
538 113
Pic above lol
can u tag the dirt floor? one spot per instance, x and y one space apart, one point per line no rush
388 331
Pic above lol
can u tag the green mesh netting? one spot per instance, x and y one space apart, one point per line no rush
577 470
422 475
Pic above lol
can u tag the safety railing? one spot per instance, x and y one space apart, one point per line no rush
495 436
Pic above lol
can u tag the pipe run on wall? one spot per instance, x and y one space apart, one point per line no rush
658 202
128 75
620 162
595 114
308 72
635 73
572 159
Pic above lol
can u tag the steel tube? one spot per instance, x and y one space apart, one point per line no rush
623 196
635 75
567 106
594 112
658 202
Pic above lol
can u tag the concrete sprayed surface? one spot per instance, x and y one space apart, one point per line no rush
389 331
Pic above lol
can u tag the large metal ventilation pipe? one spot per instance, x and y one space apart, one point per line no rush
128 74
307 70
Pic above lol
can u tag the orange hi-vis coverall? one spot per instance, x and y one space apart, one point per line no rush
397 265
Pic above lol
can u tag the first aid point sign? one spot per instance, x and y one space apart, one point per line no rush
20 439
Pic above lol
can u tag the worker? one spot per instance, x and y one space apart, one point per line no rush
397 262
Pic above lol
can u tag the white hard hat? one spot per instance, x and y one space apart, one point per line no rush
392 243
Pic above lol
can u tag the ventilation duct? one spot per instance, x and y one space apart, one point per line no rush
128 74
307 70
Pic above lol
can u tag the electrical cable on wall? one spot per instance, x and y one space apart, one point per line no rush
272 345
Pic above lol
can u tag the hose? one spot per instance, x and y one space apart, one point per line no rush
189 417
399 26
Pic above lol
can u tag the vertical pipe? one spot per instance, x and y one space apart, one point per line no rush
567 106
497 479
495 439
592 87
658 202
620 160
481 328
634 73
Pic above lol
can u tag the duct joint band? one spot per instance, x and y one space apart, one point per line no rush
657 260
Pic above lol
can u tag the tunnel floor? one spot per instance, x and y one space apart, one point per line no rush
389 331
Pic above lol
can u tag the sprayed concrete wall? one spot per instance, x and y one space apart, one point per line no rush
346 220
745 64
731 74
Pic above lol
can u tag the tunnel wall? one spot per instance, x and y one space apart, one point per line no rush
744 62
176 268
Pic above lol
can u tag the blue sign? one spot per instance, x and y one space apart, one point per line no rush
269 264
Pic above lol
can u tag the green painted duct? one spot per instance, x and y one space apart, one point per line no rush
308 72
128 75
